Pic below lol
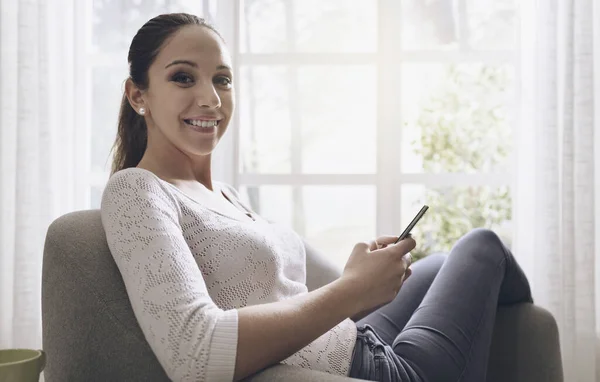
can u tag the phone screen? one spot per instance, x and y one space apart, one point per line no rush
413 223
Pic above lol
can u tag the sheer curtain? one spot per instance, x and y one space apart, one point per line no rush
557 198
38 152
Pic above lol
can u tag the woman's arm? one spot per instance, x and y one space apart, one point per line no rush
270 333
190 335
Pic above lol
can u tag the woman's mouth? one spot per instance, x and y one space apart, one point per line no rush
202 126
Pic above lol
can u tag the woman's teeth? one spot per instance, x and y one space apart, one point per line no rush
200 123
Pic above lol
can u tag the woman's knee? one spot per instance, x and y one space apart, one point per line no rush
484 242
485 235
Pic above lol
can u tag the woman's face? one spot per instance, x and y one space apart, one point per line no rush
190 96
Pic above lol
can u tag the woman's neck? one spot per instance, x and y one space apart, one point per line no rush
177 170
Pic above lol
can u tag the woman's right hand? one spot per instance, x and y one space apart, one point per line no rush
377 269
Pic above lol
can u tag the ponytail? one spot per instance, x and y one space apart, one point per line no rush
132 136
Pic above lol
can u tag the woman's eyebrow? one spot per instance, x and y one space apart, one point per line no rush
194 65
187 62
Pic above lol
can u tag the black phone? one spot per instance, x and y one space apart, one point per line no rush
412 224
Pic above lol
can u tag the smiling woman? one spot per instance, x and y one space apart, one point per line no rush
220 292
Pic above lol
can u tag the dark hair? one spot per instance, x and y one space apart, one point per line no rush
132 132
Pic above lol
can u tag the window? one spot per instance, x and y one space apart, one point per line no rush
355 113
351 114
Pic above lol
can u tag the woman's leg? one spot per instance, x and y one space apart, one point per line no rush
449 335
389 320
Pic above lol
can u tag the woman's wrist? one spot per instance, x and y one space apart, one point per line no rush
350 293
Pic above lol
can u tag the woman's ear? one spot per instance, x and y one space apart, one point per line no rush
134 95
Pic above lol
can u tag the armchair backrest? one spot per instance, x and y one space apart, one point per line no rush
89 330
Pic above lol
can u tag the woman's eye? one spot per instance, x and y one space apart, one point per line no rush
224 81
182 78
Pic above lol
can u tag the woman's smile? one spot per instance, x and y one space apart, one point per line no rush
204 126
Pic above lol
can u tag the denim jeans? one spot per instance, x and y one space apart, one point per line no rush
439 327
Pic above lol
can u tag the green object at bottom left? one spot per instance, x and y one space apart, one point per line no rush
21 365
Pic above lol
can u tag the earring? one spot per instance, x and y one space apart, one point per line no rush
142 111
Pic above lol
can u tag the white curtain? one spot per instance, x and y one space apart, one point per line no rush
558 169
37 134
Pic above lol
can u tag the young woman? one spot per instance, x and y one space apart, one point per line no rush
220 293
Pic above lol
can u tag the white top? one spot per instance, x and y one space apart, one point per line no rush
188 268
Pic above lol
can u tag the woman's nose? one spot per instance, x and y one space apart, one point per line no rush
207 96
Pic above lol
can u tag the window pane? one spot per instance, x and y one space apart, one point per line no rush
338 118
457 117
108 85
321 214
453 212
492 23
430 25
328 115
337 217
489 24
265 128
318 24
115 22
262 26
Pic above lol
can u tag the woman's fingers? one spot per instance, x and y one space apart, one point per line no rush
386 240
365 246
406 245
408 259
374 245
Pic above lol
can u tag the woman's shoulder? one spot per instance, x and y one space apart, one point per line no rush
134 174
139 185
137 179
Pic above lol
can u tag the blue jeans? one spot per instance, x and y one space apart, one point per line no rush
439 327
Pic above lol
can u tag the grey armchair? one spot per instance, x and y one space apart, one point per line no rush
90 332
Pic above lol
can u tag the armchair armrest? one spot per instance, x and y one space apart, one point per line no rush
525 346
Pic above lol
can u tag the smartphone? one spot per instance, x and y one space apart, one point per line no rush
412 224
